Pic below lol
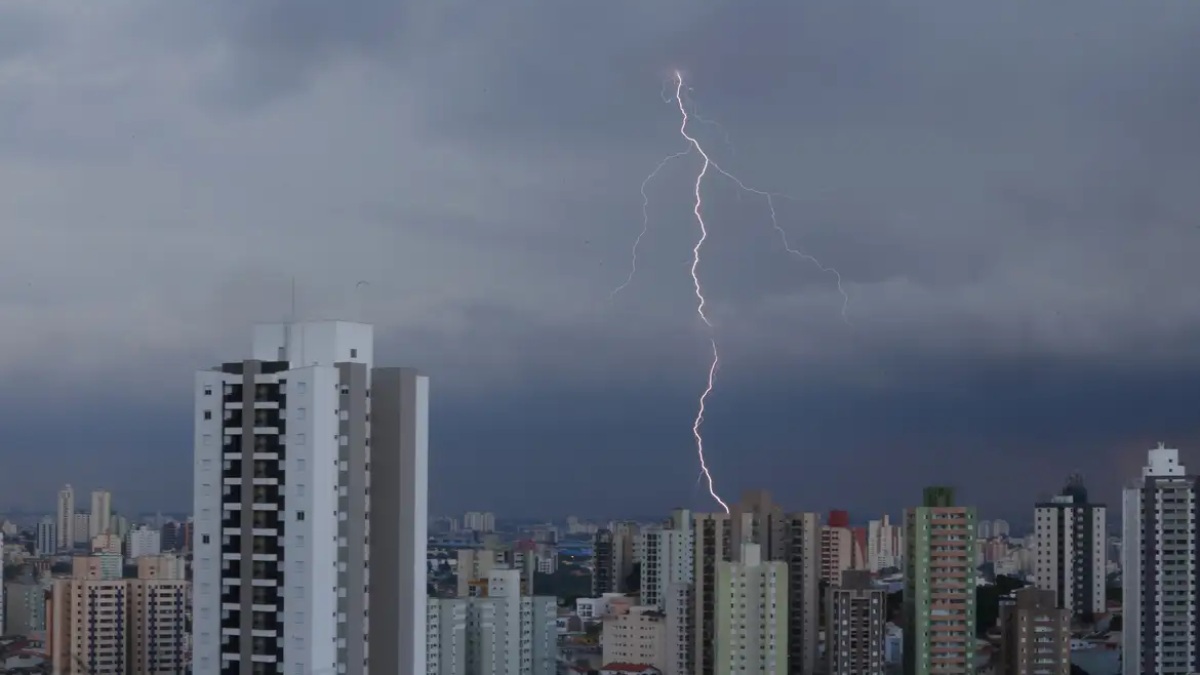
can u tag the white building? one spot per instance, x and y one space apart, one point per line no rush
65 524
668 558
885 545
479 521
101 514
81 528
751 615
1070 535
143 542
1160 542
287 445
496 633
46 542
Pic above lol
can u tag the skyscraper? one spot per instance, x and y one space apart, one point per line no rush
1070 533
47 537
1159 568
66 518
287 445
939 586
101 513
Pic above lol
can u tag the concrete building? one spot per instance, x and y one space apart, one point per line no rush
855 625
1035 634
143 541
496 632
101 625
65 524
81 528
885 545
668 572
613 558
1070 534
99 520
24 608
638 635
46 539
287 446
1161 541
837 547
482 522
939 586
791 538
474 564
751 615
167 567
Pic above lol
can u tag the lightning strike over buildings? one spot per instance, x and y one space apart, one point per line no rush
698 213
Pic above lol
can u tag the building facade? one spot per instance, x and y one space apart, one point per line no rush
939 586
65 523
751 615
100 517
289 568
855 623
1160 521
1070 534
1035 634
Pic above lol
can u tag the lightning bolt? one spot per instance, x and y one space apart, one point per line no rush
697 211
645 219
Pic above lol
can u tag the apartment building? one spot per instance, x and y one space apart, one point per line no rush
855 624
1161 525
294 556
1070 534
103 625
751 615
939 586
1035 634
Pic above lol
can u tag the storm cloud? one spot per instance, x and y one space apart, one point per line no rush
1007 190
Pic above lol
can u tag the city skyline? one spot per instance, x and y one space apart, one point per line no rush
1013 227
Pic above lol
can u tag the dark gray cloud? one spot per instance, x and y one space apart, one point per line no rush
1006 188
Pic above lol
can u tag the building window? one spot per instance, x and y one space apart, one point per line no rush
354 353
299 515
204 538
208 414
207 390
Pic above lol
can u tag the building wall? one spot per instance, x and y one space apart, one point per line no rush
1035 634
939 593
856 617
637 636
751 615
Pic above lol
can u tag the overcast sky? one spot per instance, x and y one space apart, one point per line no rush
1008 190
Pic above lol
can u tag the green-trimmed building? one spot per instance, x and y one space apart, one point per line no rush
939 586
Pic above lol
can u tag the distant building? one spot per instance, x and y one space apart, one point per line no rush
81 528
1160 568
1035 635
482 522
46 540
1070 534
856 616
497 631
101 624
24 608
99 521
65 525
638 635
837 547
939 586
144 541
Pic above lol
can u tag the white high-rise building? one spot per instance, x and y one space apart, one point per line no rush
1159 570
66 518
47 537
479 521
751 615
1070 535
101 514
287 446
668 572
143 541
81 528
885 545
497 632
